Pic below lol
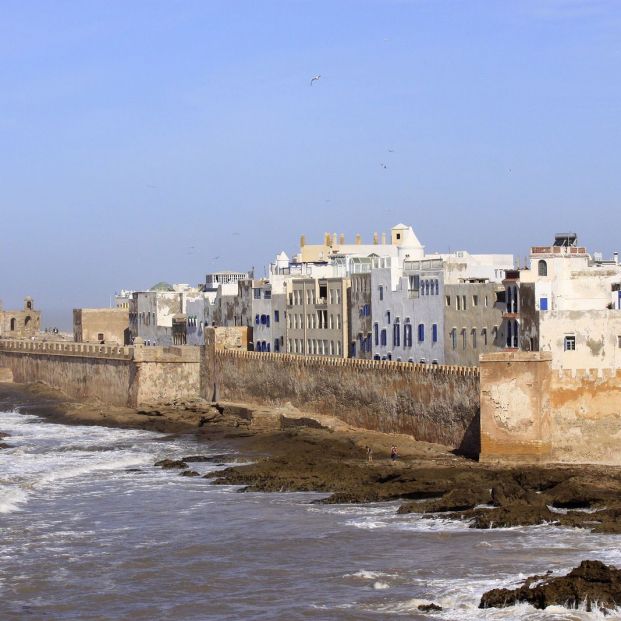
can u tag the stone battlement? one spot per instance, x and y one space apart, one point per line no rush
353 363
64 348
138 353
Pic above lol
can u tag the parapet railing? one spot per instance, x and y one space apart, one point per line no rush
63 348
354 363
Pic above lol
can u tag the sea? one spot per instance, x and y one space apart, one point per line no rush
90 529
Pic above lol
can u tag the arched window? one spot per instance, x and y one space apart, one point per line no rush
542 268
13 322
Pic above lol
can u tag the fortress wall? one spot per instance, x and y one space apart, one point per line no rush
531 412
432 403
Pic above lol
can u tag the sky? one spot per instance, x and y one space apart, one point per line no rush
161 140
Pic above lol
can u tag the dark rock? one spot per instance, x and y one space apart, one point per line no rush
171 463
190 473
429 607
455 500
3 445
596 585
204 458
149 413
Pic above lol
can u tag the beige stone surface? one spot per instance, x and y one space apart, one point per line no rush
533 412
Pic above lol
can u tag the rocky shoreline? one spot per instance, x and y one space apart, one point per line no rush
291 451
592 584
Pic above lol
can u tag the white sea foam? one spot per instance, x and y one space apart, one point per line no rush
11 498
370 575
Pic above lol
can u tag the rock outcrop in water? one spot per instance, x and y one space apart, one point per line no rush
592 584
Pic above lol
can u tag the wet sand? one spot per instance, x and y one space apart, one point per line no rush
295 452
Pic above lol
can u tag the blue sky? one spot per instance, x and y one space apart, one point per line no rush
141 140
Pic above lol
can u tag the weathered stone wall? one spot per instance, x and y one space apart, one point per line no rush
432 403
531 412
121 376
82 376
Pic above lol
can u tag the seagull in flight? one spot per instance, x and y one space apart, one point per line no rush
314 79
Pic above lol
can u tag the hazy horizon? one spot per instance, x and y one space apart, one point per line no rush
159 140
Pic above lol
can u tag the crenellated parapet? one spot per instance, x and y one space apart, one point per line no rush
352 363
64 348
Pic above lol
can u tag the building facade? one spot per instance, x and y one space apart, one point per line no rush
317 316
101 325
567 303
19 324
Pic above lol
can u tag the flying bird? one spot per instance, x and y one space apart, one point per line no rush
391 150
314 79
383 165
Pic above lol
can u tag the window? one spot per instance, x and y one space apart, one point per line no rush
267 321
464 341
474 338
454 338
569 343
267 295
396 334
421 332
257 294
434 332
458 300
485 299
463 302
543 304
619 342
257 319
475 300
542 268
100 336
448 301
484 336
387 316
353 349
381 292
338 322
376 334
276 316
383 337
407 334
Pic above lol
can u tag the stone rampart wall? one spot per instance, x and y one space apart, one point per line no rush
531 412
120 376
432 403
79 377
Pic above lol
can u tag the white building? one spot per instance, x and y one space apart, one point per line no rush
568 303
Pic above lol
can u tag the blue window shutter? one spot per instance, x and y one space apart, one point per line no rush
543 304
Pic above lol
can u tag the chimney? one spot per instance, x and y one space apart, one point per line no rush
334 239
342 239
615 257
375 238
383 239
358 240
326 239
302 241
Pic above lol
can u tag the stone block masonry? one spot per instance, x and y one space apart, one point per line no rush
531 412
120 376
432 403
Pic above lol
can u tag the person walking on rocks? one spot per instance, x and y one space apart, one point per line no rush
393 453
369 454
